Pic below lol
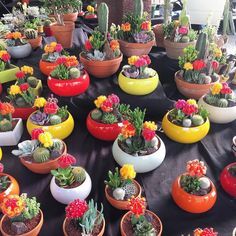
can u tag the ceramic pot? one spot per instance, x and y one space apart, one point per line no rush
8 75
23 112
234 146
137 49
224 79
101 69
70 87
35 43
193 203
138 86
70 16
159 34
141 164
60 131
90 16
37 90
219 115
47 67
18 52
33 232
184 134
11 138
228 181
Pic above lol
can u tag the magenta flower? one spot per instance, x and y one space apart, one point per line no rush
140 62
114 99
58 48
180 104
183 30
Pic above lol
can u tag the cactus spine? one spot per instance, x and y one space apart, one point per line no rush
31 34
41 154
138 8
79 174
103 14
201 45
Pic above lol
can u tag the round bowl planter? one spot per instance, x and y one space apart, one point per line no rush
101 69
193 203
228 182
141 164
126 218
18 52
47 67
137 49
67 195
23 112
191 90
184 134
70 16
159 35
219 115
138 86
106 132
70 87
35 43
60 131
119 204
90 16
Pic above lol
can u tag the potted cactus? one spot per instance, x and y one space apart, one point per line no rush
24 217
193 191
121 186
187 122
50 117
90 13
140 221
204 232
33 38
135 34
102 56
11 130
69 182
68 78
136 78
47 28
17 46
220 102
138 144
83 218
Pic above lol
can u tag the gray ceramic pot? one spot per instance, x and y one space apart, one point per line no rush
20 51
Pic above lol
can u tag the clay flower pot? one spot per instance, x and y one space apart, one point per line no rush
23 112
219 115
21 51
192 203
228 181
70 87
35 43
191 90
101 69
159 35
184 134
33 232
8 75
70 16
127 216
47 67
118 204
106 132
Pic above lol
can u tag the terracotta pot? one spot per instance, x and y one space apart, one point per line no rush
192 203
123 233
121 205
35 43
23 112
70 16
101 69
64 33
228 182
47 67
159 34
70 87
175 50
191 90
12 189
44 167
33 232
137 49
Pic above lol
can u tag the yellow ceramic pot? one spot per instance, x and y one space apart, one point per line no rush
60 131
184 134
138 86
0 154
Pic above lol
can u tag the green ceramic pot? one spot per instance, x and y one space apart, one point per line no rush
38 89
8 75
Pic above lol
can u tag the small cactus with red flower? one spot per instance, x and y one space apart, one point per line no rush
6 111
4 60
204 232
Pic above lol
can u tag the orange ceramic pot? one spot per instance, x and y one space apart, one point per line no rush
192 203
47 67
121 205
159 35
101 69
70 16
35 43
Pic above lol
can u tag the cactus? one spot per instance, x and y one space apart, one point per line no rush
201 45
144 228
5 125
211 100
96 114
74 73
47 23
103 14
183 18
185 39
109 118
187 122
58 145
32 81
55 119
197 120
130 190
167 11
31 34
222 102
4 183
41 154
138 8
20 102
119 194
79 174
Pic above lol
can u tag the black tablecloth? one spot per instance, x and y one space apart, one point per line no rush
96 157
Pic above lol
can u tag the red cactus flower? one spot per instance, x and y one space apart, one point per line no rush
88 46
66 161
107 106
20 75
114 99
24 87
196 168
147 58
180 104
226 89
6 57
61 60
204 232
148 134
76 209
189 109
199 65
146 25
137 206
51 108
183 30
35 133
1 167
58 48
215 65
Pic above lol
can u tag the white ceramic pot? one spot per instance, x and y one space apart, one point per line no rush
219 115
141 164
65 196
12 138
20 51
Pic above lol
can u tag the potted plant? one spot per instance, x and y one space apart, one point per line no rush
140 221
193 191
89 14
17 46
102 56
33 38
220 102
50 117
187 122
68 79
228 179
47 28
24 217
121 186
10 129
138 144
135 34
41 154
136 78
83 218
204 232
69 182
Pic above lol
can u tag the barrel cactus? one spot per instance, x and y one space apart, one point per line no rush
130 190
41 154
5 125
47 23
32 81
138 8
211 100
197 120
79 174
20 102
109 118
55 119
103 14
31 34
222 102
74 73
96 114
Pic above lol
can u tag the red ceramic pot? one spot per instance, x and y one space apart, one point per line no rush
0 88
47 67
90 16
228 182
106 132
23 112
47 30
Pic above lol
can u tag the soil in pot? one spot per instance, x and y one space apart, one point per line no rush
74 185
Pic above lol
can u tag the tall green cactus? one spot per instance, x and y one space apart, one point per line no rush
138 8
167 11
201 45
103 14
183 18
226 18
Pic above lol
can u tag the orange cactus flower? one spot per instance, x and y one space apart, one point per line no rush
114 44
6 108
71 61
126 27
128 130
137 206
146 25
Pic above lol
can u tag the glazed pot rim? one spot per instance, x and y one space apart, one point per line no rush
138 44
85 74
26 44
13 67
39 37
41 60
220 108
234 140
179 43
140 79
66 22
99 63
11 179
229 166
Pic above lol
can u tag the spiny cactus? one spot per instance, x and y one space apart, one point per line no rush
201 45
32 81
103 14
183 18
55 119
184 39
31 34
74 73
79 174
119 194
96 114
109 118
41 154
138 8
211 100
4 183
222 102
58 145
130 190
47 23
5 125
197 120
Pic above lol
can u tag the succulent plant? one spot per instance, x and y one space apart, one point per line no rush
31 34
65 176
144 228
96 55
79 174
119 194
130 72
4 183
222 102
39 118
20 102
109 118
41 154
130 190
142 37
55 119
26 148
47 23
74 73
32 81
197 120
96 114
5 125
212 100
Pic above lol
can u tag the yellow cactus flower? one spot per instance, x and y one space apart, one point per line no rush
90 9
40 102
150 125
188 66
27 70
14 90
53 44
216 88
132 60
2 52
176 22
127 171
192 102
99 101
218 53
46 139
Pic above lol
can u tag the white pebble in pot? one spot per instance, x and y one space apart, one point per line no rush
204 183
